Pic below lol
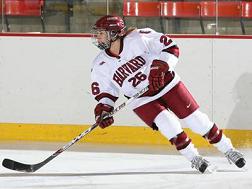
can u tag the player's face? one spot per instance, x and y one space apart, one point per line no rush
101 36
101 39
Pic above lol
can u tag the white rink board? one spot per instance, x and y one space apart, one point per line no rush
233 83
46 79
195 68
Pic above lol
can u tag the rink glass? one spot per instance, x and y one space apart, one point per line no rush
174 17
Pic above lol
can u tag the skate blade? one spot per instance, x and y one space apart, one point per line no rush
211 169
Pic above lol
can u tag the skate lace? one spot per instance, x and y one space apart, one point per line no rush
197 161
233 156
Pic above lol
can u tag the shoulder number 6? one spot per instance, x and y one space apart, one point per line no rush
95 88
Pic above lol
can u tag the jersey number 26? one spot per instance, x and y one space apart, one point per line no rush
137 79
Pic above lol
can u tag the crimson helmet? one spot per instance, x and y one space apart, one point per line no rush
113 25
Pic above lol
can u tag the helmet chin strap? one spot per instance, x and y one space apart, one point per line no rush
113 35
103 46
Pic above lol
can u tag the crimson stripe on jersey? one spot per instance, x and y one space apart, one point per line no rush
106 95
172 50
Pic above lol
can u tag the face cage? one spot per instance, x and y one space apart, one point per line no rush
111 36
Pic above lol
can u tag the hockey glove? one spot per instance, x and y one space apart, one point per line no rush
100 111
157 73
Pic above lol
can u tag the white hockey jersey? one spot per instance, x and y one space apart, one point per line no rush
128 72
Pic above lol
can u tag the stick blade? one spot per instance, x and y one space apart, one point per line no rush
17 166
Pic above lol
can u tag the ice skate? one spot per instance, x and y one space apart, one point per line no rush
235 157
200 164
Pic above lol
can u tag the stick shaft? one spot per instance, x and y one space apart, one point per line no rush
14 165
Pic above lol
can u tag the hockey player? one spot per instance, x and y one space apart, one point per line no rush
131 60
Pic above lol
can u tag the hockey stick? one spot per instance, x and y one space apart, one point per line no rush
17 166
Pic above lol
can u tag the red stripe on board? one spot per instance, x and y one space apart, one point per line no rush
89 35
212 36
45 34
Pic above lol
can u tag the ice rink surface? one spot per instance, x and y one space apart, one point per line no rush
117 170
